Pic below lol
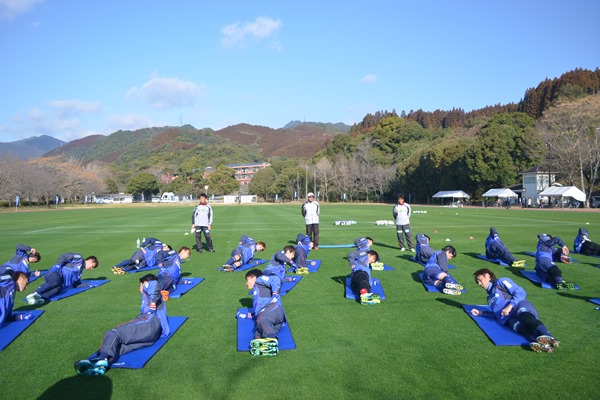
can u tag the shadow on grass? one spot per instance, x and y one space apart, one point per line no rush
450 302
573 296
80 387
416 278
246 302
379 244
340 279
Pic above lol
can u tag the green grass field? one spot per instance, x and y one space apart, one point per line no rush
415 345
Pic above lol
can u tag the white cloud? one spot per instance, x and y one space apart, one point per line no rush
129 122
369 78
10 9
237 34
71 107
164 93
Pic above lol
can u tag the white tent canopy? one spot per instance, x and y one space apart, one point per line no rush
564 191
451 194
505 192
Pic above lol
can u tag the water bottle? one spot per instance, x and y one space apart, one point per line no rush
137 243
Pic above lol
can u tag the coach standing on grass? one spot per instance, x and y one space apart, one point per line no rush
202 219
310 212
401 213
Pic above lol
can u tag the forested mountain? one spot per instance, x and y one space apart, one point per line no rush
29 148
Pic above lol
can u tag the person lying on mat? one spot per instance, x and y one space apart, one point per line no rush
243 253
424 251
65 274
11 282
24 256
495 249
360 275
303 247
583 245
144 257
545 257
267 311
169 273
142 331
511 309
279 260
436 271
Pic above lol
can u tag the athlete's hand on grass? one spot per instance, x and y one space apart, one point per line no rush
475 312
26 316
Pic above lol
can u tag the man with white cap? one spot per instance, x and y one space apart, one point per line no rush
310 212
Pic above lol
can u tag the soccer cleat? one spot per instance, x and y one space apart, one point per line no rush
34 298
165 295
117 270
266 347
565 259
413 250
227 268
402 249
546 340
302 271
94 367
518 263
454 286
541 348
377 266
452 292
369 299
565 286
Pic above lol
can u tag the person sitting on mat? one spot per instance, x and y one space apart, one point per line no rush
279 260
303 247
144 257
65 274
495 249
511 309
545 257
360 275
24 256
436 271
142 331
169 274
243 253
424 251
267 311
12 282
583 245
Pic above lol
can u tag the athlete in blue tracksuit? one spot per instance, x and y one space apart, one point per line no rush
267 307
169 273
495 249
303 246
243 253
511 309
144 257
66 273
424 250
359 261
277 264
142 331
24 256
10 283
583 245
436 271
545 257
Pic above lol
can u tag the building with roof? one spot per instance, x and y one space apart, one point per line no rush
244 172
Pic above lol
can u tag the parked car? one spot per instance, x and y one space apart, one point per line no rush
595 202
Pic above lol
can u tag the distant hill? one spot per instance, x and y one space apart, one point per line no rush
29 148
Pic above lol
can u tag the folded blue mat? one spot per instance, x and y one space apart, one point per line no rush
245 333
249 265
532 276
376 288
9 331
312 265
432 288
492 260
289 282
450 266
136 359
73 291
336 246
183 288
500 335
533 253
595 301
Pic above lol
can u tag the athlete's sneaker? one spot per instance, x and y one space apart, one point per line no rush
565 286
369 299
403 249
452 292
165 295
565 259
302 271
413 250
547 340
518 263
377 266
94 367
117 270
541 348
454 286
227 268
266 347
34 298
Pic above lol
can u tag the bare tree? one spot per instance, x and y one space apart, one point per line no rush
324 169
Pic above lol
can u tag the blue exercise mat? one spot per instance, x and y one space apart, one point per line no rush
432 288
450 266
145 269
532 276
245 333
533 254
183 288
249 265
11 330
289 282
336 246
32 277
500 335
492 260
376 288
73 291
312 265
595 301
136 359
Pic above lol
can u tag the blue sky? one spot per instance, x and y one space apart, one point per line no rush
75 68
